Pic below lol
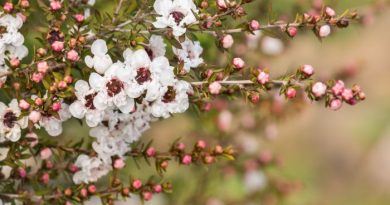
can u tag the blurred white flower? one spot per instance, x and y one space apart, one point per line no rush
11 124
255 181
272 46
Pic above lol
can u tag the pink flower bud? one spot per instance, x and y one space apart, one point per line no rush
151 152
181 146
34 116
319 89
335 104
238 63
68 203
22 16
263 78
291 93
45 178
215 88
255 98
324 31
62 85
72 55
42 67
37 77
57 46
22 172
38 101
49 164
292 31
227 41
73 168
330 12
187 159
221 4
8 7
147 196
92 189
137 184
338 88
79 18
84 193
68 79
347 94
45 153
308 70
201 144
24 3
24 105
55 5
209 159
207 107
119 163
157 188
14 62
56 106
218 149
254 25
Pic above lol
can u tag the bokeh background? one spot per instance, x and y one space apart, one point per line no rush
332 157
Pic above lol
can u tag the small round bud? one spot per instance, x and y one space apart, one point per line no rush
204 4
72 43
45 178
24 4
137 184
319 89
201 144
49 164
215 88
307 70
14 62
338 88
181 146
22 172
45 153
255 98
84 193
119 163
335 104
209 159
42 67
221 4
263 78
38 101
324 31
218 149
227 41
55 5
68 79
186 160
164 164
330 12
68 192
8 7
34 116
62 85
41 52
238 63
72 55
151 152
79 18
16 86
147 196
362 96
157 188
347 94
292 31
291 93
73 168
254 25
92 189
56 106
57 46
37 77
24 105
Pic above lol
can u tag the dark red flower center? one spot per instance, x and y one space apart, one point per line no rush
10 119
178 16
143 75
89 101
170 95
114 86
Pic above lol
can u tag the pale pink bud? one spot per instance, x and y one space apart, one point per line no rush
92 189
338 88
330 12
24 105
201 144
56 106
45 178
8 7
73 168
221 4
209 159
215 88
42 67
263 78
45 153
72 55
238 63
180 146
55 5
335 104
206 106
79 18
347 94
308 70
157 188
57 46
24 3
84 192
147 196
137 184
68 79
37 77
319 89
227 41
14 62
68 203
38 101
254 25
324 31
291 92
187 159
119 163
34 116
49 164
22 172
255 98
151 152
62 85
292 31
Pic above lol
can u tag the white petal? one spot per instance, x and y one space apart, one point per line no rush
100 101
127 107
88 61
102 63
96 81
77 109
99 47
140 59
93 118
162 7
81 87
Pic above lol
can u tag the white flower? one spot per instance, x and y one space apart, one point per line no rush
174 100
91 169
83 106
111 88
100 61
147 76
11 123
190 54
156 47
175 14
255 181
272 46
52 124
